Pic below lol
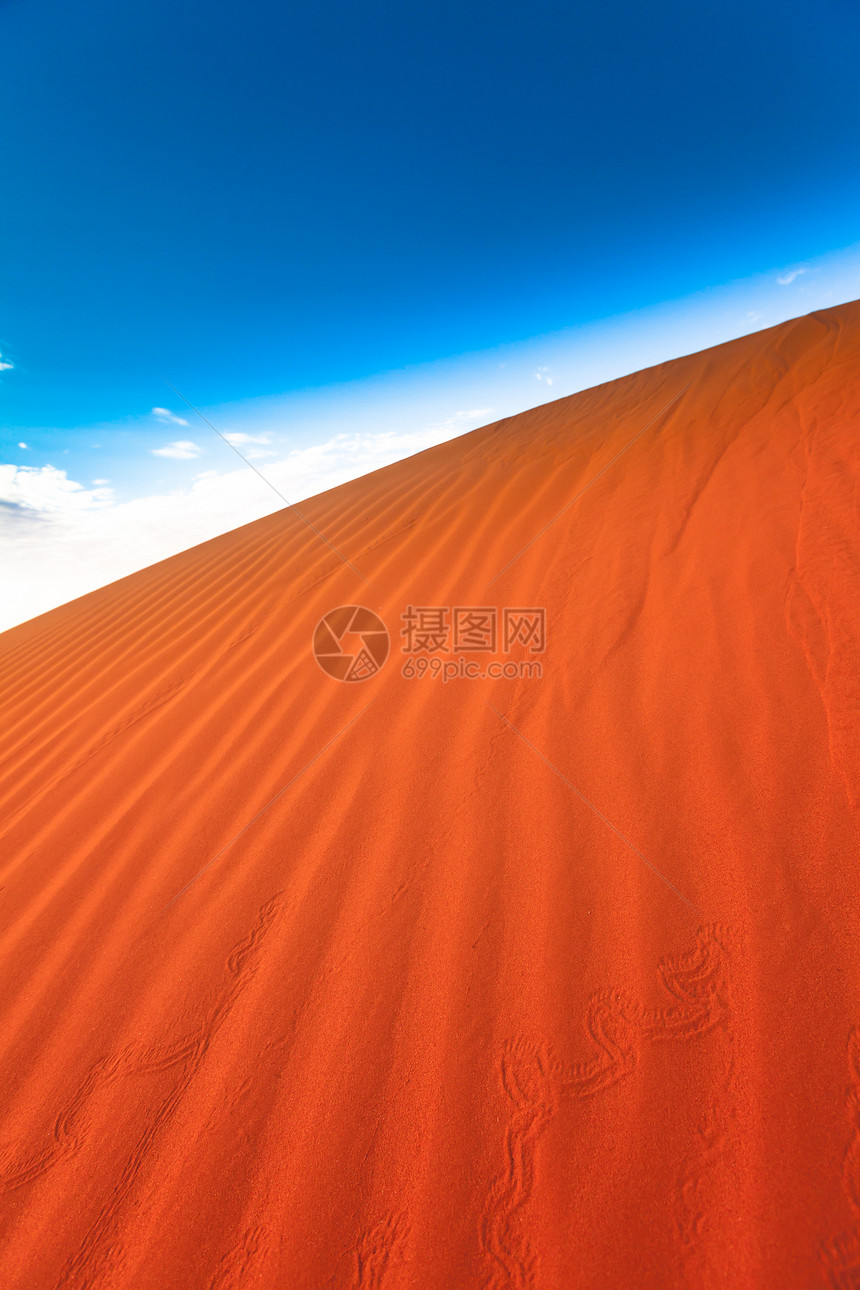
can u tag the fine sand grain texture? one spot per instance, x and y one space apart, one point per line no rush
524 982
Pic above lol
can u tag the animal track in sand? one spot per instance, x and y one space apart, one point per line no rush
841 1254
377 1248
99 1254
535 1081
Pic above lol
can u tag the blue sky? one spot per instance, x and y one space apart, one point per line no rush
272 205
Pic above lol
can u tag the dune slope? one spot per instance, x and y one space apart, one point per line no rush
512 980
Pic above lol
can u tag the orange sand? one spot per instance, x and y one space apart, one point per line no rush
571 1002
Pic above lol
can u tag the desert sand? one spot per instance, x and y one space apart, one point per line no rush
520 981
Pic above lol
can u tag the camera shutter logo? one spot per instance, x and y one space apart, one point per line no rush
351 643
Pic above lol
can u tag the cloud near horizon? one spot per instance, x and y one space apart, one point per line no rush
248 443
85 539
48 490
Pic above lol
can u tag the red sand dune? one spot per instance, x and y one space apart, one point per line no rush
519 982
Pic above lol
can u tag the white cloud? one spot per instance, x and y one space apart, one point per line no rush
6 367
180 450
100 483
786 279
59 540
24 445
542 375
240 439
164 414
45 489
